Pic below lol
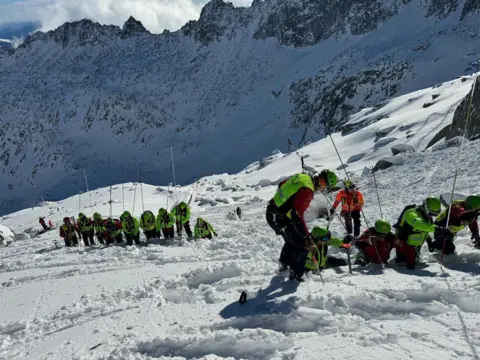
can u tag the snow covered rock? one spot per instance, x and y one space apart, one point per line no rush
382 142
264 183
207 201
355 158
22 236
387 162
7 236
402 148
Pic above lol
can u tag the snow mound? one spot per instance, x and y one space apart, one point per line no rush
7 236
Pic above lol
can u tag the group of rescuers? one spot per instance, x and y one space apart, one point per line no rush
307 251
107 231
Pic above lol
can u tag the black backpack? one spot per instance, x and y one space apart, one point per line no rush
408 207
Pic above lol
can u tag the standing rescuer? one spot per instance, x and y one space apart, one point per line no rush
285 216
352 204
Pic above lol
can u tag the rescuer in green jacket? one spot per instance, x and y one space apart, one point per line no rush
285 216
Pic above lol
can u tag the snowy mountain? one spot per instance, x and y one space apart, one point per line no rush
229 87
180 300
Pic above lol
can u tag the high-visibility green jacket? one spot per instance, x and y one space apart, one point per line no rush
414 228
321 253
147 221
85 224
165 222
130 226
202 231
291 187
182 216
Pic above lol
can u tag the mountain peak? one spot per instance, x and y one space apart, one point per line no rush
77 33
132 27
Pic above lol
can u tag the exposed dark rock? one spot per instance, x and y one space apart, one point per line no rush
132 27
387 162
401 148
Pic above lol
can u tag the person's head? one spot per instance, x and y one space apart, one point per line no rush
320 234
326 179
97 216
81 215
182 206
349 186
432 206
200 221
126 215
66 220
382 227
162 212
472 202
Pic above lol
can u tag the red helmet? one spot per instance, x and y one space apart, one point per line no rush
66 219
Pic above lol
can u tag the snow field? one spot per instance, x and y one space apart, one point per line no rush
180 299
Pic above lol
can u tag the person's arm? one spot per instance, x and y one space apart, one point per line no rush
335 242
338 199
414 220
302 200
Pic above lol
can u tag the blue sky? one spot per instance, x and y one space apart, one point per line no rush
156 15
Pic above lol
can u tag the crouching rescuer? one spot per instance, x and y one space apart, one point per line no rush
285 216
318 258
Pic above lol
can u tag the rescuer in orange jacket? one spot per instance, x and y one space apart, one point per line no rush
352 204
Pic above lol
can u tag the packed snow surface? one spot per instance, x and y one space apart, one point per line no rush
180 299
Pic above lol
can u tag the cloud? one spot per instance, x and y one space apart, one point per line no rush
156 15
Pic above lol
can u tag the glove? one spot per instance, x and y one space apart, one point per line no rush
332 211
348 239
309 244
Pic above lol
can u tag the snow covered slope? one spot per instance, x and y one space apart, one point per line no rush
181 300
230 87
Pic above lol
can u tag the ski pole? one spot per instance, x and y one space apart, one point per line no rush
300 157
459 155
317 264
141 187
361 210
378 195
80 202
173 169
134 197
110 202
123 198
88 191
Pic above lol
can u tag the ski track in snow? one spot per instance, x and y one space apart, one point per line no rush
180 300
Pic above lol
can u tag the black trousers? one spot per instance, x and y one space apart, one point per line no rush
293 253
111 238
352 216
150 234
186 226
440 240
131 238
168 233
71 241
87 237
100 238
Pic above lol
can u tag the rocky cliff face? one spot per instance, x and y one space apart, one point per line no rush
460 118
223 91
